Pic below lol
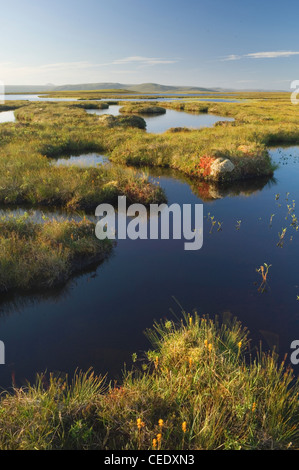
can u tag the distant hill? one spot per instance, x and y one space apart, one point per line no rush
156 88
142 88
122 87
28 88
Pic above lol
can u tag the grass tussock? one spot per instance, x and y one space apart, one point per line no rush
197 389
35 255
141 108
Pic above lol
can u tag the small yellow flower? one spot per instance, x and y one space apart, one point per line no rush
184 426
190 321
140 423
159 438
154 443
206 343
253 407
161 423
190 362
240 344
210 347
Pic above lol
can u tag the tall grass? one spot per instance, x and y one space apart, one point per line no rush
35 255
199 388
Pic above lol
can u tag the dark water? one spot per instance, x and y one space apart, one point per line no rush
98 319
7 116
160 123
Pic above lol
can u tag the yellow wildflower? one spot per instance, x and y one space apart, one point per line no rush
184 426
140 423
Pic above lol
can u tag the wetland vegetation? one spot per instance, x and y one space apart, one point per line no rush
202 386
197 388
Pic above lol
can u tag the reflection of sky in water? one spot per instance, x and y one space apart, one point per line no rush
91 159
160 123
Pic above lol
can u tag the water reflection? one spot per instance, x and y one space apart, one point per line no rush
82 160
172 118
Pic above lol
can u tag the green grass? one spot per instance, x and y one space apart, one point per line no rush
199 388
141 108
244 142
35 255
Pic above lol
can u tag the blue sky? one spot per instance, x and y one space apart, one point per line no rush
209 43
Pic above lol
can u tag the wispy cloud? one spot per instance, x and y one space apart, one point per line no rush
231 57
63 72
261 55
143 61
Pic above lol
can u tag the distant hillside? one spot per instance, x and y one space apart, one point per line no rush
156 88
122 87
142 88
91 86
28 88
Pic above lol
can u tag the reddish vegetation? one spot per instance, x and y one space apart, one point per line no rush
203 190
205 165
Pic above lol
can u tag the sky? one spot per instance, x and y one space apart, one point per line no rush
237 44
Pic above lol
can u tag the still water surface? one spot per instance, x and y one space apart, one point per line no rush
160 123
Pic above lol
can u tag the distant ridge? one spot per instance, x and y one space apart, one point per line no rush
141 88
28 88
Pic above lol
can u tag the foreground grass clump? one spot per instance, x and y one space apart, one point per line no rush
34 255
198 389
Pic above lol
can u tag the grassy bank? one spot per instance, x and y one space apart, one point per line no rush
197 389
35 255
